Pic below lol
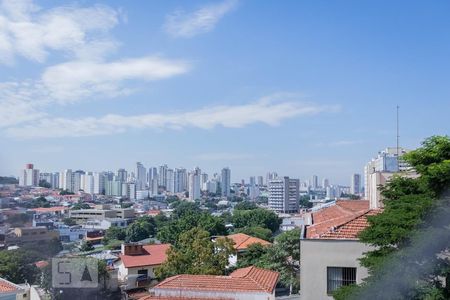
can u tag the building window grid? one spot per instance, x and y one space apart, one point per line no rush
339 276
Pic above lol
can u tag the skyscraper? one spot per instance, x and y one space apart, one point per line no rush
355 186
141 176
194 184
122 175
325 183
162 175
181 179
284 194
314 182
260 181
29 176
66 180
170 184
225 182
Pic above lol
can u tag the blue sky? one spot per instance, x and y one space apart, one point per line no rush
297 87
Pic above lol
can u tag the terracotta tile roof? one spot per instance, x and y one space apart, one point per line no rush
350 229
50 209
41 264
149 297
7 286
345 220
154 255
250 279
243 241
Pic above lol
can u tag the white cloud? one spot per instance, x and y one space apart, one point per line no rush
186 25
264 111
29 31
76 79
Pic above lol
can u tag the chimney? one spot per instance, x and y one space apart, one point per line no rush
132 249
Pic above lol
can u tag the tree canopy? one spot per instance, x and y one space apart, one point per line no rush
256 217
411 235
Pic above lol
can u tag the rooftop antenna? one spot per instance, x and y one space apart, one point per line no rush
398 139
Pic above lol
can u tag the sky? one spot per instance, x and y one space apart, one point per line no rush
296 87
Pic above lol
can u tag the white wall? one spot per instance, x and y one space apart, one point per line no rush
214 294
316 255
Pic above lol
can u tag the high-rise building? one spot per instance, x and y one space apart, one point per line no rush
253 189
225 183
194 184
99 183
47 177
284 194
76 181
170 184
203 181
141 176
270 176
29 176
181 179
260 181
122 175
325 183
162 175
355 185
88 183
314 182
66 180
380 169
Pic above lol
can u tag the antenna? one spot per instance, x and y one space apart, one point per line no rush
398 135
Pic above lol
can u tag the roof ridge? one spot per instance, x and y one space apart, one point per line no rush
358 215
260 284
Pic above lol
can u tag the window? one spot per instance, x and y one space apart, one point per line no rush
338 276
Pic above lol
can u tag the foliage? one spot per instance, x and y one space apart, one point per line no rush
66 192
304 201
80 205
195 253
246 205
45 249
19 220
86 246
256 217
114 233
44 184
252 256
188 216
69 221
141 229
257 231
113 244
411 233
37 202
8 180
18 265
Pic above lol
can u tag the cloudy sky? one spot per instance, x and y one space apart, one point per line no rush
298 87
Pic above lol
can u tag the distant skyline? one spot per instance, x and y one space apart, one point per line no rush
301 88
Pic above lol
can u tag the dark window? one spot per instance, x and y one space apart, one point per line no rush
338 276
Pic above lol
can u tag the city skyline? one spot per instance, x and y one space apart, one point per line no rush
282 98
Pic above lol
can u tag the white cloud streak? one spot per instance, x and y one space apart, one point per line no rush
237 116
28 31
203 20
73 80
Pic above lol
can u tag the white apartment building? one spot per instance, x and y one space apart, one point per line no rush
194 184
355 184
284 194
180 180
141 176
29 176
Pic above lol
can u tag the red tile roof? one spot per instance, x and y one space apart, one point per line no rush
149 297
7 287
250 279
154 255
243 241
50 209
345 220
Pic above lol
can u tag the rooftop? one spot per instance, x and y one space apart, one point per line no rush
242 241
344 220
7 286
250 279
152 255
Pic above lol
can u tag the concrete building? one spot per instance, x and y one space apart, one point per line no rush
194 184
330 250
325 183
225 183
66 180
355 184
141 176
284 194
162 175
122 175
170 181
241 243
101 213
12 291
314 182
137 263
180 180
29 176
23 235
260 181
249 283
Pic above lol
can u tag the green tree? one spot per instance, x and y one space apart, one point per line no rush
252 256
18 265
66 192
411 233
256 217
86 246
257 231
44 184
69 221
141 229
114 233
246 205
195 253
80 205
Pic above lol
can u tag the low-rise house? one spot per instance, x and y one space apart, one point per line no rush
246 283
241 243
330 249
12 291
137 262
105 223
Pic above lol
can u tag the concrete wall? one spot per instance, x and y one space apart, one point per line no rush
316 255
